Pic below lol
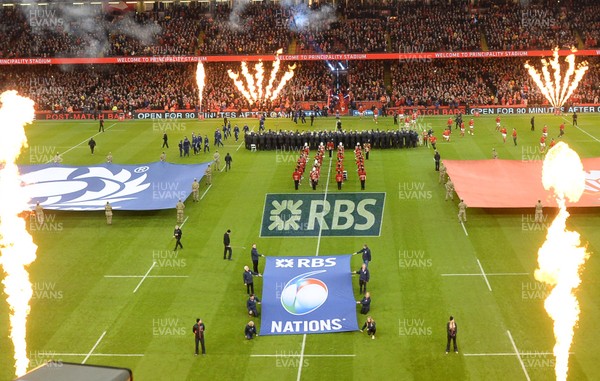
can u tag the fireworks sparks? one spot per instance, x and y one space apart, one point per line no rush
16 245
561 257
558 90
254 83
200 78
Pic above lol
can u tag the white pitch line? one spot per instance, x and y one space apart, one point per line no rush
465 229
488 274
184 221
316 254
324 200
149 276
50 354
75 146
93 348
484 275
204 194
301 358
580 129
240 146
296 355
518 355
145 276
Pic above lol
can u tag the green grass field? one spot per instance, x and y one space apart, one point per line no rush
79 315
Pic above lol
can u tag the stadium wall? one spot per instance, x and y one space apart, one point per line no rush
190 114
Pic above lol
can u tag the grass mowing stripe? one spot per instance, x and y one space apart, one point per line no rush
77 145
94 347
518 355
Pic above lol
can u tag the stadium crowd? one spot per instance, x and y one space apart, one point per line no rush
369 26
256 28
434 83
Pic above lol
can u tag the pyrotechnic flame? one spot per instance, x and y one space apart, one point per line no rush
255 91
249 81
16 245
286 77
200 80
558 90
561 257
240 85
274 72
258 68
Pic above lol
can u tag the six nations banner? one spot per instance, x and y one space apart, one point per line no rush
308 295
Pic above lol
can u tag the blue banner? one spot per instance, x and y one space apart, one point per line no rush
127 187
308 295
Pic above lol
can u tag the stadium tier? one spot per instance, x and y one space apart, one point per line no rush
390 170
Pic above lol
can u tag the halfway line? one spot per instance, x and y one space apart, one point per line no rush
484 276
145 276
93 348
301 358
316 254
518 355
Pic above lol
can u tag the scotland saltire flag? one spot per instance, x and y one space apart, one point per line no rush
308 295
127 187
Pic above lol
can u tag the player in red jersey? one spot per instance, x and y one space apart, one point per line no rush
542 144
503 132
446 135
561 130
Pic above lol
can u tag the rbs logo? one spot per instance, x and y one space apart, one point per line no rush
342 214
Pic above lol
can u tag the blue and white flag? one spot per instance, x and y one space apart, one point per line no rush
127 187
308 295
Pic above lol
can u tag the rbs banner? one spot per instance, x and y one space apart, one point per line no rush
308 295
311 214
